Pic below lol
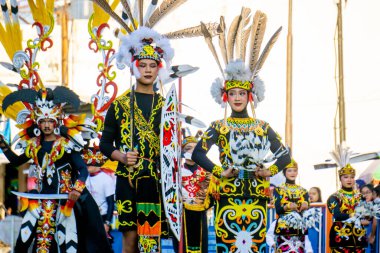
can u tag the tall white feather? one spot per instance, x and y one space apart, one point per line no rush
341 155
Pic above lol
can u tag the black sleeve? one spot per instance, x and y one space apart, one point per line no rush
15 160
333 205
110 203
199 155
277 201
277 146
80 165
109 133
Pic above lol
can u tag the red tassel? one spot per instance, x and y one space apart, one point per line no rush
250 97
224 97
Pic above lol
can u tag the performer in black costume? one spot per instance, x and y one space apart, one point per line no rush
131 136
57 170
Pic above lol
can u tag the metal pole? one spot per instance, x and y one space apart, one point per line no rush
180 243
180 94
289 81
342 112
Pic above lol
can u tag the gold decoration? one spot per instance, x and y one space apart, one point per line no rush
224 130
259 131
347 170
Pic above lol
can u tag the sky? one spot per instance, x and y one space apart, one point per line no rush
314 63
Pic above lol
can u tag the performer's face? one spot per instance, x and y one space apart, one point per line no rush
347 181
189 148
149 70
291 173
47 126
238 99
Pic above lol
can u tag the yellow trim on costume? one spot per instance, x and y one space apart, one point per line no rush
273 169
217 171
231 84
189 139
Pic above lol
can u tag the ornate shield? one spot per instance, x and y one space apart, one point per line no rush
170 162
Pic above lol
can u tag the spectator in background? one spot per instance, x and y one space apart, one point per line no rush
315 196
100 185
367 192
376 192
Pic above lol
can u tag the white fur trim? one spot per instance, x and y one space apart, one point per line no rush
259 89
134 42
135 71
236 70
217 91
163 74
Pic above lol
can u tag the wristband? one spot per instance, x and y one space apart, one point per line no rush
79 186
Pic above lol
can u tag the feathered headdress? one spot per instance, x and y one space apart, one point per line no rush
242 65
145 43
141 41
48 104
187 137
342 155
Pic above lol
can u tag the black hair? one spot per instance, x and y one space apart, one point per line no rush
377 190
369 186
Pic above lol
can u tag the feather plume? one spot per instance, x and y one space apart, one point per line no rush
152 6
231 37
100 16
14 109
213 29
165 7
241 37
10 33
107 8
265 52
257 35
128 12
341 155
65 95
141 12
24 95
208 39
222 40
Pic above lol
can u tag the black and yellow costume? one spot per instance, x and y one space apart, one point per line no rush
138 193
344 237
64 172
241 202
289 239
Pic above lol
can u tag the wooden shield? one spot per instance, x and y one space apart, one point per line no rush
170 162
